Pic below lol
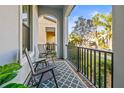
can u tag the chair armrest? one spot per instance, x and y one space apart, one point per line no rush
39 60
46 69
43 53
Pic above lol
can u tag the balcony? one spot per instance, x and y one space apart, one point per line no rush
93 68
83 68
95 65
65 76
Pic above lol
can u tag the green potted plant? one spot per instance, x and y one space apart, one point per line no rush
7 73
53 55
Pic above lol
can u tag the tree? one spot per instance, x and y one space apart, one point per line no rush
86 33
104 21
75 39
81 30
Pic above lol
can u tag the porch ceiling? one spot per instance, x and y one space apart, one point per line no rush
53 6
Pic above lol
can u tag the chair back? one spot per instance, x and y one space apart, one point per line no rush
29 61
42 48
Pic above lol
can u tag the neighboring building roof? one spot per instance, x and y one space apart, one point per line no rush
51 19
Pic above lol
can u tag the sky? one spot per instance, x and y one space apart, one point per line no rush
87 11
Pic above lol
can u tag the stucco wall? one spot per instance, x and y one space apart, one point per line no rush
43 23
25 70
58 14
118 44
9 27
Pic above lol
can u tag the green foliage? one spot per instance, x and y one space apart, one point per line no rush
75 39
14 85
10 68
105 21
53 53
93 37
8 72
7 77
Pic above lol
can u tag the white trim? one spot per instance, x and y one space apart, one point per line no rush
68 9
56 35
31 28
65 36
20 34
21 55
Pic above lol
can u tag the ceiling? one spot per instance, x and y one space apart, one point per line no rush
54 6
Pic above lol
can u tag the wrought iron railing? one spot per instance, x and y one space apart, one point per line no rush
95 65
49 46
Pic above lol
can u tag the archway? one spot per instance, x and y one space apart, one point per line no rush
47 34
58 15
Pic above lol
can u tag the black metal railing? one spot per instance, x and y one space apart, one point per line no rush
72 55
95 65
50 47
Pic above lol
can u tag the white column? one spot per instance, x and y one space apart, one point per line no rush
118 45
35 31
58 41
20 34
56 38
65 36
60 36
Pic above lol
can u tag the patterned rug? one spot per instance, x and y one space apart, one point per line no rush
65 77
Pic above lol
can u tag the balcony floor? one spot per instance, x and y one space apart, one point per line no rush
66 77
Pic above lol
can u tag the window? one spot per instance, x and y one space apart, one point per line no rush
26 27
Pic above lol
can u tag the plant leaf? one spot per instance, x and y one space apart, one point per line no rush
8 72
9 68
7 77
15 85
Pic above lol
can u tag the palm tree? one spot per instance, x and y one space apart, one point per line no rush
106 22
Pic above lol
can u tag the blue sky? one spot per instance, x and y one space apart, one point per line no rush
87 11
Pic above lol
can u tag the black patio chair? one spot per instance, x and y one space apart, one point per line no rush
41 72
45 52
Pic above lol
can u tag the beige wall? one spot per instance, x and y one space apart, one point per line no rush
9 33
62 26
43 23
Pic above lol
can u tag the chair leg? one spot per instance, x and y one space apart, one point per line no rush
34 81
53 60
54 78
36 67
40 79
29 81
45 63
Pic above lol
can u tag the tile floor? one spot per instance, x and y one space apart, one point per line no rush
66 78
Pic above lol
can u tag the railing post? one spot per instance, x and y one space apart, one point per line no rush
99 69
105 69
78 59
93 64
112 65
